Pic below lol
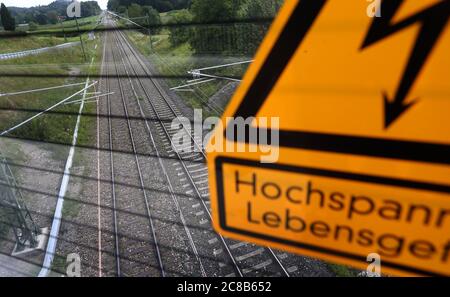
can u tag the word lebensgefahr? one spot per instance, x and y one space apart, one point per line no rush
306 195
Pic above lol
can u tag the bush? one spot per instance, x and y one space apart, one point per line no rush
33 26
230 39
180 34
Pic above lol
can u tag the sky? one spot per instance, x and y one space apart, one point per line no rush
29 3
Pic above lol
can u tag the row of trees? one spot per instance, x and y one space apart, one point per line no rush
48 14
229 39
159 5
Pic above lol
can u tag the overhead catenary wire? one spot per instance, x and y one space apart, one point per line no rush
193 84
45 111
128 20
192 90
214 76
222 66
40 90
88 99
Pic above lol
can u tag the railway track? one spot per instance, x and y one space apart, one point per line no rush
220 256
152 194
155 210
129 167
199 94
133 255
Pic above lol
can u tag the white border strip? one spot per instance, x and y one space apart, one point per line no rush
53 237
116 15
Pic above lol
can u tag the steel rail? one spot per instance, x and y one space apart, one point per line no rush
234 263
182 161
138 167
170 186
113 188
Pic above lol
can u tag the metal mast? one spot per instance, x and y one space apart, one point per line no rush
19 217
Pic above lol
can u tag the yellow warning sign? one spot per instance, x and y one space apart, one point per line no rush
337 143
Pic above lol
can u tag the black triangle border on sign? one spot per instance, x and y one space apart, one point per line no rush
294 32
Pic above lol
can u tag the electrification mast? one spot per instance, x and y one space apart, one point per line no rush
18 216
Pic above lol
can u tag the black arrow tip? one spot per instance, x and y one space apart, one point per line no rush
393 110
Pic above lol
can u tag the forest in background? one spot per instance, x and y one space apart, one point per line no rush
231 38
159 5
48 14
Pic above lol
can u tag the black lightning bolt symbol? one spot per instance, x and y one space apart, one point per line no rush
433 21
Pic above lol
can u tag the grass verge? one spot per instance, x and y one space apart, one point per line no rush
16 44
52 127
178 60
70 27
56 127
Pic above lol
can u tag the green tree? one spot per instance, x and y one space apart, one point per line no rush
89 8
213 39
41 19
45 14
213 10
135 11
52 17
159 5
153 17
234 38
113 5
249 36
8 22
180 34
121 9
